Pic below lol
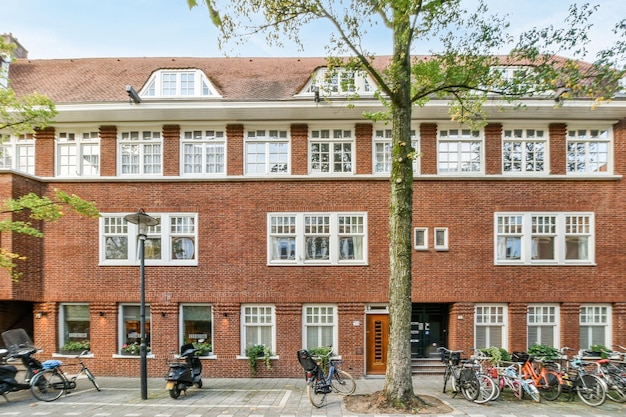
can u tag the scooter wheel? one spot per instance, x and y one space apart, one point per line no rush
198 384
175 393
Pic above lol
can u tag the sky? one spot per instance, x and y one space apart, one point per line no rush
55 29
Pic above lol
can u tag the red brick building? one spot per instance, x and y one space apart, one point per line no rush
272 197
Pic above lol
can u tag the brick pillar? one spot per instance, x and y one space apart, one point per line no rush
299 149
171 150
428 148
493 149
363 147
619 147
558 148
619 324
461 329
108 151
234 146
289 337
570 325
517 327
44 152
45 323
352 331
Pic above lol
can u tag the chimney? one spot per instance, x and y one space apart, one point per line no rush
19 52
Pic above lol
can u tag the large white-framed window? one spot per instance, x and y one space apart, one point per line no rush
320 326
267 151
331 151
490 327
130 329
197 326
525 151
460 151
544 238
141 152
179 83
258 326
543 325
595 325
78 153
317 238
589 150
203 152
382 150
174 241
74 325
18 153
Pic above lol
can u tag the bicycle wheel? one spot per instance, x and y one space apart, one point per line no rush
343 383
617 388
92 379
316 390
531 389
591 390
48 385
469 385
518 389
487 389
549 386
446 377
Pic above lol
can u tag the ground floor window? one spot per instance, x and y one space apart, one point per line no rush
74 327
130 327
543 321
595 321
320 326
490 325
197 327
258 327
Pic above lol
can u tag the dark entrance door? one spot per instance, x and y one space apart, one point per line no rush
429 329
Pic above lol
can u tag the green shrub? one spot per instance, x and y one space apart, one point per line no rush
497 354
544 352
320 354
76 346
254 352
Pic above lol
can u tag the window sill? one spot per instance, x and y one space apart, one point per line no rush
274 358
119 356
67 355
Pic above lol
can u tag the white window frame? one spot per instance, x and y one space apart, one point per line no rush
169 230
457 144
381 153
518 226
584 139
17 152
266 154
179 84
440 238
246 312
77 153
185 338
593 316
322 161
420 238
203 151
62 322
335 82
140 150
122 337
317 316
521 137
491 316
291 229
542 316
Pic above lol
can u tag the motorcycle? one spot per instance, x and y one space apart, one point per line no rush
18 346
184 373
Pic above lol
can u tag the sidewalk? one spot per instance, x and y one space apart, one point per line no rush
269 397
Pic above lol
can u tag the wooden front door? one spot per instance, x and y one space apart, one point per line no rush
376 341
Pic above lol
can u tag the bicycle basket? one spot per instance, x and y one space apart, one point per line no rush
451 357
306 361
520 357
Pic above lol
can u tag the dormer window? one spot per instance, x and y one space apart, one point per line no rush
178 84
337 82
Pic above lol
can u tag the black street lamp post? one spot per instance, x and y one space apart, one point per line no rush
142 220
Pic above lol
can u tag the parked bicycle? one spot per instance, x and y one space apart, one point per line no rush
52 382
614 378
460 373
319 385
590 388
546 378
509 377
487 376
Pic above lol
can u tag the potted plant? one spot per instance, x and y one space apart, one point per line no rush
320 354
75 347
205 348
255 352
133 348
496 354
544 352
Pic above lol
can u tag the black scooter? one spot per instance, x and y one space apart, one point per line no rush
184 373
18 346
